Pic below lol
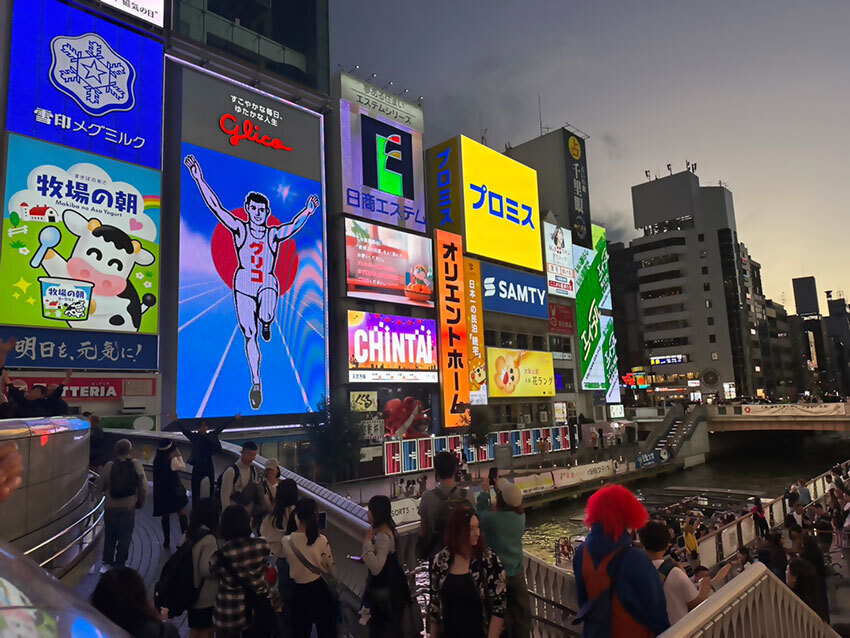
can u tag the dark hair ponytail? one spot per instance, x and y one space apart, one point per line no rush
307 514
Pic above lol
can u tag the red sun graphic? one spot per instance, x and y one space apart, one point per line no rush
224 254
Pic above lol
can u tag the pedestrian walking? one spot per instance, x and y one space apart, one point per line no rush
267 492
467 583
121 596
315 603
607 565
244 603
125 486
386 597
762 528
805 493
205 445
169 495
237 485
275 527
503 525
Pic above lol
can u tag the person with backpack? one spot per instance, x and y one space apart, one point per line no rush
387 592
311 566
467 583
124 483
237 485
503 527
436 505
121 596
680 593
185 582
169 495
267 491
275 527
619 592
244 603
205 445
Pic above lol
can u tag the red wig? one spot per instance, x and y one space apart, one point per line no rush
457 533
617 509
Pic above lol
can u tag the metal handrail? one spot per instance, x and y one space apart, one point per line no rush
73 542
99 505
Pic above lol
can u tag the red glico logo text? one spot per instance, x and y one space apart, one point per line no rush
248 131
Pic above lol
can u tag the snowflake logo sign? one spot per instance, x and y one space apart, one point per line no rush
91 73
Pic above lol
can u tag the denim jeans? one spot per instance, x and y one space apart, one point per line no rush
118 523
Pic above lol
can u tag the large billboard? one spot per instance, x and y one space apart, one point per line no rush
475 332
381 155
388 348
252 294
487 197
152 11
588 300
514 292
386 264
560 276
608 346
80 241
451 310
85 81
520 373
578 197
600 246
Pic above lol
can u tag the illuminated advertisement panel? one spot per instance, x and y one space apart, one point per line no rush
609 360
451 307
86 82
148 10
251 317
385 264
520 373
600 243
578 197
560 276
588 298
80 241
475 332
514 292
561 319
487 197
382 168
390 348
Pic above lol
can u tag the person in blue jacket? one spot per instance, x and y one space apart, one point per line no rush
638 608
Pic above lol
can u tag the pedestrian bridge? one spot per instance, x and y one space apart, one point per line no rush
813 417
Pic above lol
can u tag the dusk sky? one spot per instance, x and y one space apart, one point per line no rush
756 93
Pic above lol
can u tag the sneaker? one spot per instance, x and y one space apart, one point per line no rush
105 568
256 396
267 331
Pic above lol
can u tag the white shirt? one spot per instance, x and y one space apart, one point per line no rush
678 590
319 554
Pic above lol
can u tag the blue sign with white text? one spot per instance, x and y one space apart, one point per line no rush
80 349
514 292
84 81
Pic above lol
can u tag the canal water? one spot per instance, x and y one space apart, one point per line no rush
768 463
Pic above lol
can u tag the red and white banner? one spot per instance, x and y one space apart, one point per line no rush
561 319
94 388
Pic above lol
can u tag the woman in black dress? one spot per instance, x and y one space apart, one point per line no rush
169 495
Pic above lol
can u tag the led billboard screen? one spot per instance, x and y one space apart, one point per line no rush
475 332
81 241
252 293
588 299
386 264
520 373
84 81
390 348
514 292
600 243
560 276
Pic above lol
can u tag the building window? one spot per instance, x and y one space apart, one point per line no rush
710 321
522 341
758 368
701 237
704 270
703 254
489 338
752 331
661 292
536 342
666 343
508 340
660 276
658 261
714 356
708 303
712 338
706 287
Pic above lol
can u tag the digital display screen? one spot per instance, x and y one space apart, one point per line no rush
520 373
391 348
560 275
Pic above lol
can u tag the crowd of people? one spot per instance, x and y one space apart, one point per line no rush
19 401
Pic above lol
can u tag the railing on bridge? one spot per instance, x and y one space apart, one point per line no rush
754 603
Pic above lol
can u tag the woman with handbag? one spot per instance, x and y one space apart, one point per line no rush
274 529
169 495
387 592
311 566
245 604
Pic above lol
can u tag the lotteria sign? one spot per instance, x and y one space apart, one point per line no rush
514 292
391 348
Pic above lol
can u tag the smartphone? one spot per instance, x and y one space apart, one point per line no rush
494 475
356 559
323 519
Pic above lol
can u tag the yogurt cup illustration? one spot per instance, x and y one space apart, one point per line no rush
65 299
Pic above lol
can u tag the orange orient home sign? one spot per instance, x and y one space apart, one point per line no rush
454 353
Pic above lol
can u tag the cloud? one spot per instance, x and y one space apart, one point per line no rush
87 179
195 257
612 146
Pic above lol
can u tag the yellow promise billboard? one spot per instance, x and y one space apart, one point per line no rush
519 373
497 209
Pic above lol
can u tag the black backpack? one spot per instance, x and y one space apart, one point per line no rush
236 476
123 479
456 498
175 589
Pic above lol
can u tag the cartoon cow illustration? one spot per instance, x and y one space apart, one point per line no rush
105 256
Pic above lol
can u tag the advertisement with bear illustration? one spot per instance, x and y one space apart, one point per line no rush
80 241
520 373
